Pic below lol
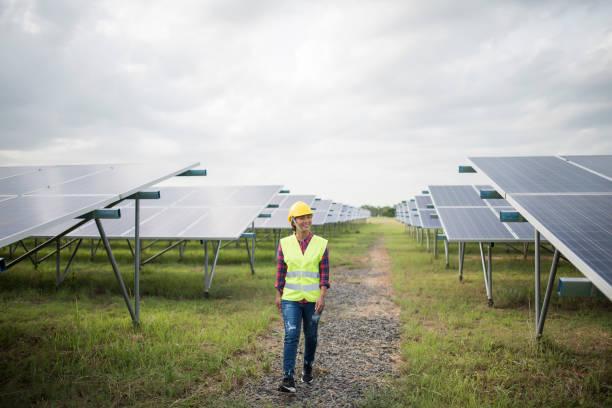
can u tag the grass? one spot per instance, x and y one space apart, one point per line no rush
74 345
459 352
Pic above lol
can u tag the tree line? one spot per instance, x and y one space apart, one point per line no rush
380 211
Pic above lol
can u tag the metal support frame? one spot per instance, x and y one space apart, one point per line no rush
435 242
427 233
44 258
130 247
209 277
446 252
113 262
59 278
461 257
163 251
94 248
541 319
34 251
487 269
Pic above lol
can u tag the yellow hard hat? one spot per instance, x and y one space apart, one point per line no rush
298 209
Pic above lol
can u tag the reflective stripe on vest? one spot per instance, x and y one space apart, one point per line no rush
301 287
302 280
307 274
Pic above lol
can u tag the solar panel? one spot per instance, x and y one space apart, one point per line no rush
473 224
572 208
539 174
278 219
198 213
427 221
602 164
423 202
580 226
415 220
456 196
61 193
320 216
334 213
465 224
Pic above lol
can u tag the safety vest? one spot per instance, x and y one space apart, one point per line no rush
302 280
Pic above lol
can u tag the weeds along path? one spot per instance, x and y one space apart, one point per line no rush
359 339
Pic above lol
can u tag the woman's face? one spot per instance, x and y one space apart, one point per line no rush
304 222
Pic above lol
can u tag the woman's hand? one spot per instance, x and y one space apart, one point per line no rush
320 304
278 301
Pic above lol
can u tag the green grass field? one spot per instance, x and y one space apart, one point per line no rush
75 345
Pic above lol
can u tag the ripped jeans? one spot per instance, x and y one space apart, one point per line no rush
293 314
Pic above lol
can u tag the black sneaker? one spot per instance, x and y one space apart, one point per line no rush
288 384
307 374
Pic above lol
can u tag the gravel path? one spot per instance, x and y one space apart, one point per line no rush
359 337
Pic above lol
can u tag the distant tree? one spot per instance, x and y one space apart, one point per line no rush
380 211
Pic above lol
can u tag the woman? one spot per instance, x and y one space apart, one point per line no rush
302 280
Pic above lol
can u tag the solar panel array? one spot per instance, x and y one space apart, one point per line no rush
568 199
465 217
192 213
325 212
38 197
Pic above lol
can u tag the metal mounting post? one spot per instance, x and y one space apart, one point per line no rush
461 255
212 271
446 252
549 289
427 233
111 258
537 275
487 266
435 242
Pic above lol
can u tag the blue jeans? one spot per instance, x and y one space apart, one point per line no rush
293 314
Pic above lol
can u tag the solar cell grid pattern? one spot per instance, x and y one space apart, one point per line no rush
279 216
334 213
456 196
415 220
474 219
581 225
601 164
412 205
539 174
422 201
212 212
427 221
473 224
320 216
52 195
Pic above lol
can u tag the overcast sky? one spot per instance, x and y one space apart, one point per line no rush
363 102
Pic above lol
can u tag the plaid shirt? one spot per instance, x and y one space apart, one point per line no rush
281 266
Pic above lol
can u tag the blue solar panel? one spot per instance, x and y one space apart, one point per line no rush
423 202
320 216
539 174
427 221
22 215
412 205
51 195
415 220
473 224
456 196
580 226
212 212
601 164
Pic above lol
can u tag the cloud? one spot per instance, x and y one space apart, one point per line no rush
359 101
